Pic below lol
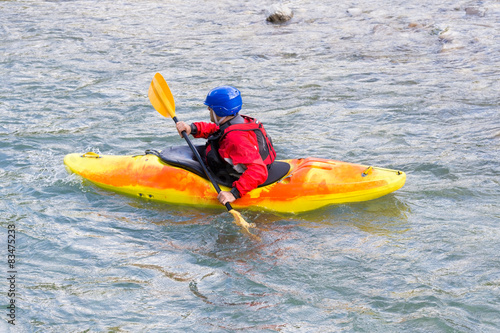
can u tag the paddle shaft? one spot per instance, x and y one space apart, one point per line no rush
198 157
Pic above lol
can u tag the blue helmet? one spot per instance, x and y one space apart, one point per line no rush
224 100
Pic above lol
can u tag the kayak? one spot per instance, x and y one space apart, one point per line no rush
294 186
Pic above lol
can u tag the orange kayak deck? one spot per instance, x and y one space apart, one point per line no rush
310 184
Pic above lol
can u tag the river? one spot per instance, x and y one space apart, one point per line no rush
406 85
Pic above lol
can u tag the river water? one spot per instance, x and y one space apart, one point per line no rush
409 85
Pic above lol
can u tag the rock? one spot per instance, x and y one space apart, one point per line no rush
354 11
279 13
475 11
415 25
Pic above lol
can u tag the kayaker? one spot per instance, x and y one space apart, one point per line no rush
237 146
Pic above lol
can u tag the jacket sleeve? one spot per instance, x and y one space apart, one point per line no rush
242 148
204 130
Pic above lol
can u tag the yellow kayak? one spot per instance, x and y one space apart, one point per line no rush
304 184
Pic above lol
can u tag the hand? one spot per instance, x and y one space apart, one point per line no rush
225 197
182 126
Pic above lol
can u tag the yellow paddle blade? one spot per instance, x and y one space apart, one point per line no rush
160 96
245 226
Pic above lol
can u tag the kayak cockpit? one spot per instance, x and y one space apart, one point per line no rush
183 157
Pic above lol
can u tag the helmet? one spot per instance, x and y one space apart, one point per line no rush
224 100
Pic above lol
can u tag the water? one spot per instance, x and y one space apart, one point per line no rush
410 86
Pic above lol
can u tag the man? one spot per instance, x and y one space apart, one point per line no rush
237 148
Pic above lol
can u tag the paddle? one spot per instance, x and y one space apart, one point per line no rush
163 101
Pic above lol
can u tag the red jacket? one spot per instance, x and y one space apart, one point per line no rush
239 147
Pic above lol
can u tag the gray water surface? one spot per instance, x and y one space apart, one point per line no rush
405 85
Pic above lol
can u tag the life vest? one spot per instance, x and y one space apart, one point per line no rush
220 167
